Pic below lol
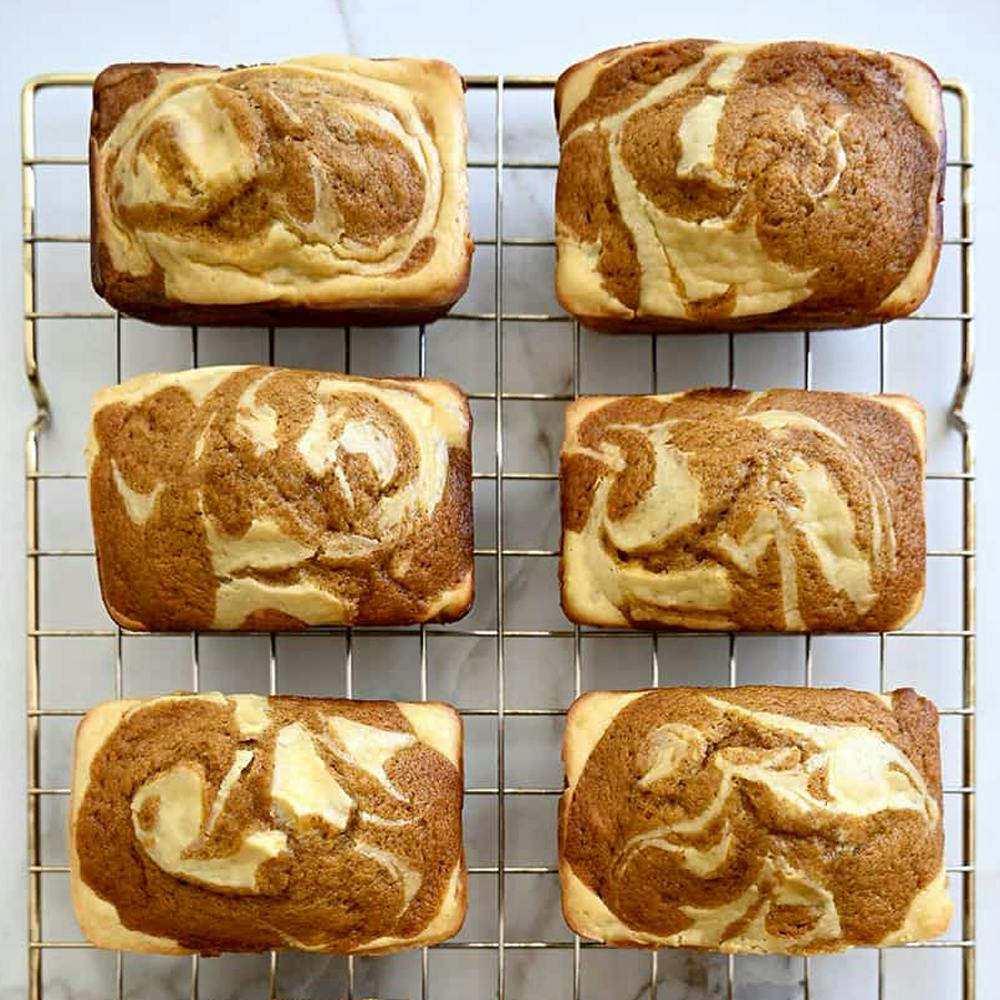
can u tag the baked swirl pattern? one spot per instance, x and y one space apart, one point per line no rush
268 498
721 186
781 820
763 511
208 823
325 185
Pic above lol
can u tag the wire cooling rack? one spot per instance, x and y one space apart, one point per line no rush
514 664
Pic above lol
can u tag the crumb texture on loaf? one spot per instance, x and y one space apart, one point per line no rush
783 820
322 183
212 823
270 498
782 510
718 185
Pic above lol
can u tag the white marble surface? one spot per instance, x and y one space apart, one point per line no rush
46 35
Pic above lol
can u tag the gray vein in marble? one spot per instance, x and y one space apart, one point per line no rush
345 22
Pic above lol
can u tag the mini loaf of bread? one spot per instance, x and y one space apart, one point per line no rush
272 499
210 823
787 820
782 511
709 185
320 191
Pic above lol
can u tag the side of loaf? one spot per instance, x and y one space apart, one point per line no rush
273 499
753 819
783 510
717 186
209 823
322 190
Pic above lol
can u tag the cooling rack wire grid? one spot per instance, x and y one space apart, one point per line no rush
496 663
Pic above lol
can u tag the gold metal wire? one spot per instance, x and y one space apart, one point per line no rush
965 872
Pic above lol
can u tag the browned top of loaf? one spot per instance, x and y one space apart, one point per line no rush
869 453
206 475
873 865
321 891
860 243
379 193
308 151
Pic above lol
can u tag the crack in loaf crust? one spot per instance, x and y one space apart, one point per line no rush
753 819
782 510
321 190
210 823
272 499
710 185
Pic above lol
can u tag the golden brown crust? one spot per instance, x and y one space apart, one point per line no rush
723 509
274 499
747 186
322 824
237 196
788 820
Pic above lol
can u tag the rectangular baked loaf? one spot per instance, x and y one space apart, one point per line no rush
210 823
270 499
753 819
782 510
323 190
720 186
